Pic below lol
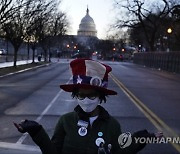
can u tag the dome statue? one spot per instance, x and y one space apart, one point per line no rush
87 26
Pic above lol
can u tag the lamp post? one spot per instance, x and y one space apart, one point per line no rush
169 31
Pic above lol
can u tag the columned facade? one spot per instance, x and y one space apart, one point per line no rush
87 26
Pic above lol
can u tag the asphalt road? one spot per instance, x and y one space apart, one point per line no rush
147 99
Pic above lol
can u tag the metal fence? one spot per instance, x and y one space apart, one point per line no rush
164 61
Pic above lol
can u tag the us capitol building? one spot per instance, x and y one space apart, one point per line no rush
85 39
87 26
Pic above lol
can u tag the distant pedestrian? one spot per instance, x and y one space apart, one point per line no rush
39 58
58 55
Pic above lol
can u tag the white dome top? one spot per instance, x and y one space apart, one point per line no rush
87 26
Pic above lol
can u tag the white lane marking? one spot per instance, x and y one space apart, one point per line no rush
15 146
69 100
23 137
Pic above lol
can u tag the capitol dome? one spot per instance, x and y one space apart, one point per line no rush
87 26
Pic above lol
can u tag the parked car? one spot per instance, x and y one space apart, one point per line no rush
3 52
115 57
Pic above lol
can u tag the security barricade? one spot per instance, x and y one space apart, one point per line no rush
160 60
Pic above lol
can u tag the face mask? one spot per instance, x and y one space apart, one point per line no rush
88 105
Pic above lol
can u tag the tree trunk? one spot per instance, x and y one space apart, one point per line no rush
45 55
16 48
33 55
15 56
33 47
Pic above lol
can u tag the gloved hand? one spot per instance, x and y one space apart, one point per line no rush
144 134
32 127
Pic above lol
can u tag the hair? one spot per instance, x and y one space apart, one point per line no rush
102 95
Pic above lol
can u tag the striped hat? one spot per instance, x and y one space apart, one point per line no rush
89 74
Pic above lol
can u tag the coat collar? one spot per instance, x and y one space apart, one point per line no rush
103 114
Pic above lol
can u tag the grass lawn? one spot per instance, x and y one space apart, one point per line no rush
7 70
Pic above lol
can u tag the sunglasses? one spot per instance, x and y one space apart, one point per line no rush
92 96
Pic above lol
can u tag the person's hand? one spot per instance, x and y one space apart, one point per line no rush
145 134
32 127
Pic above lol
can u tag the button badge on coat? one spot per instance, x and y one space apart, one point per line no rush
100 134
82 131
99 141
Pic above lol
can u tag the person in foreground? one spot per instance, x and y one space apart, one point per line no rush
89 129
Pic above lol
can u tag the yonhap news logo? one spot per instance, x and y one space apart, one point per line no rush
126 140
155 140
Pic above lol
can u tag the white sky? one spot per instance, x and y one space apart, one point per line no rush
100 10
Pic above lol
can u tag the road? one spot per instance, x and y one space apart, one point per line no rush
147 99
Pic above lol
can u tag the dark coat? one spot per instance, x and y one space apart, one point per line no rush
67 140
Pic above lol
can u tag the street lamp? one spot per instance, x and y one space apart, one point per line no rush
122 49
67 45
169 31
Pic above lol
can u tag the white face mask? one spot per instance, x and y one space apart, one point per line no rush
88 105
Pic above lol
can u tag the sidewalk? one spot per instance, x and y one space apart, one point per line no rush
22 62
9 64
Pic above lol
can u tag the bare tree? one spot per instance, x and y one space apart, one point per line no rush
33 10
49 24
14 29
145 15
58 26
176 25
6 10
34 21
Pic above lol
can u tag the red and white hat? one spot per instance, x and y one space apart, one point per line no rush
89 74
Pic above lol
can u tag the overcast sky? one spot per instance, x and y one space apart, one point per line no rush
100 10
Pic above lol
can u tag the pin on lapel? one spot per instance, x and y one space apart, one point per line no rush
82 131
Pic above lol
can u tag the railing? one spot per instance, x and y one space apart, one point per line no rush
164 61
